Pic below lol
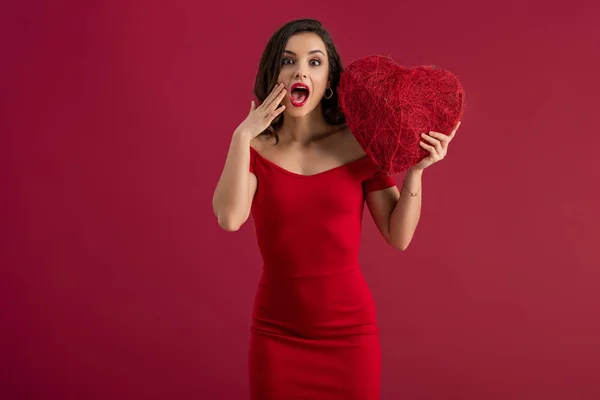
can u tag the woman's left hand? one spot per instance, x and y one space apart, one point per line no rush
437 145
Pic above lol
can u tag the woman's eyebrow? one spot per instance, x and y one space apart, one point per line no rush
310 52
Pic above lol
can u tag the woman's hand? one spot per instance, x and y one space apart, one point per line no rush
437 145
261 117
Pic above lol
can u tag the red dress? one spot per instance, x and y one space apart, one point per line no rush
313 333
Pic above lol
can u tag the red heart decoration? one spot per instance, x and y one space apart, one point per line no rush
387 107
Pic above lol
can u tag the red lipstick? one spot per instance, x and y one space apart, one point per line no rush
299 93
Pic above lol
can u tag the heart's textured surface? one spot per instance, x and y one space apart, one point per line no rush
388 106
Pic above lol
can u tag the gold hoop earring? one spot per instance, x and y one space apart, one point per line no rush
331 95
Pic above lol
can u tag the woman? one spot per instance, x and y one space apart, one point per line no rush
294 164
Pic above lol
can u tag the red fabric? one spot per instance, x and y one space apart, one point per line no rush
313 332
380 180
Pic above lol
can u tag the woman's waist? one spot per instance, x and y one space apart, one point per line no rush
302 331
334 300
288 265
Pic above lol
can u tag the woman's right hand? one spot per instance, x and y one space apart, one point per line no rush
261 117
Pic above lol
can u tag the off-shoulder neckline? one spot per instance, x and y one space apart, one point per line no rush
280 168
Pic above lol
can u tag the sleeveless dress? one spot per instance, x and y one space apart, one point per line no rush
313 333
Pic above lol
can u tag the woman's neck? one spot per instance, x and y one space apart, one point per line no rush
304 130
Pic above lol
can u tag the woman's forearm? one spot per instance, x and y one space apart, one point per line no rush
231 199
406 214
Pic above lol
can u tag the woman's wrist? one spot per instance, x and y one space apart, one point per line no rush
243 135
415 172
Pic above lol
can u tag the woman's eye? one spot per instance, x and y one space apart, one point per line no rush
289 61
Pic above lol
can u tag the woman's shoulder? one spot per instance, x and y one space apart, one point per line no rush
259 142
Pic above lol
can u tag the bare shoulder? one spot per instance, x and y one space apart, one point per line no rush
259 142
256 143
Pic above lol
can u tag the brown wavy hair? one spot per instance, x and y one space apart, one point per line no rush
270 66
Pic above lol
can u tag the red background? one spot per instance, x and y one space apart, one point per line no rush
116 282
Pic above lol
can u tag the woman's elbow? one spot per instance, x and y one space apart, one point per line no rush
400 246
229 224
229 227
399 243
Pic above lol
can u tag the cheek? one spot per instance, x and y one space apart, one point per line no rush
320 85
321 80
284 75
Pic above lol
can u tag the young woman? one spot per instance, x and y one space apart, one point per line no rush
295 166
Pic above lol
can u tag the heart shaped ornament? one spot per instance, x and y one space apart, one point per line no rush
388 106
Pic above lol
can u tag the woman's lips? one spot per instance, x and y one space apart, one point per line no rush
299 93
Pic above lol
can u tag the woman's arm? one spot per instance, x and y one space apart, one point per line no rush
396 212
235 190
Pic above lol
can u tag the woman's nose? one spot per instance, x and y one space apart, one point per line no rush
300 74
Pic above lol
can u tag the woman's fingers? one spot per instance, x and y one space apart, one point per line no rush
435 142
273 95
276 112
278 100
451 136
432 151
444 140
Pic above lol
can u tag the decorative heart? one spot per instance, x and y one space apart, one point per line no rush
388 106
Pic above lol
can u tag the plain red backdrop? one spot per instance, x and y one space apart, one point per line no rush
116 282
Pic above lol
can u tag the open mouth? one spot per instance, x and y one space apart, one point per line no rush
299 94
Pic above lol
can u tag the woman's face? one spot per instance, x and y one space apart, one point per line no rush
305 73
